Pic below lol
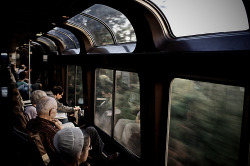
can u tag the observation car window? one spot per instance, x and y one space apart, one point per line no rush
205 123
119 107
70 35
98 31
196 17
48 42
69 44
117 21
74 86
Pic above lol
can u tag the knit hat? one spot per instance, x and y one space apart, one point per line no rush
69 142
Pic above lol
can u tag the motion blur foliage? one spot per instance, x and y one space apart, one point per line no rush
205 123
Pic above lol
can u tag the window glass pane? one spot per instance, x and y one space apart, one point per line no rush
98 31
64 38
70 35
71 85
127 111
203 16
115 20
104 90
79 87
205 124
74 87
48 42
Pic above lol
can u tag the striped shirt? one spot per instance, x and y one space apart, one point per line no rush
47 131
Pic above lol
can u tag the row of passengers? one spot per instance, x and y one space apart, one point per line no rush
57 144
57 93
47 125
23 86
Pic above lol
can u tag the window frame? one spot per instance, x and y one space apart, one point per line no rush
114 85
164 39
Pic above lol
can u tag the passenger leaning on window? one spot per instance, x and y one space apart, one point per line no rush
62 110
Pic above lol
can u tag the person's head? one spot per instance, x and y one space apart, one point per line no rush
36 95
46 108
22 67
69 144
22 75
86 147
107 91
58 92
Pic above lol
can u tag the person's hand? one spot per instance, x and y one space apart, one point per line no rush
58 124
77 108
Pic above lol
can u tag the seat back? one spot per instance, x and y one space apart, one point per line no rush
30 148
38 142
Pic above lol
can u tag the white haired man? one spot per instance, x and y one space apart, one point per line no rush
45 123
34 98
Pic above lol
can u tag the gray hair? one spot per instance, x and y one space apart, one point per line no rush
45 104
36 95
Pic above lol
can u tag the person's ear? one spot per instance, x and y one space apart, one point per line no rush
52 112
79 155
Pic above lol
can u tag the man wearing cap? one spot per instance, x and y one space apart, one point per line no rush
47 126
72 146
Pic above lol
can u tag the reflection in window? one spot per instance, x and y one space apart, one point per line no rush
126 107
195 17
205 124
74 86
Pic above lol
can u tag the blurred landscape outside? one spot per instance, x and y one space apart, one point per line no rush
205 124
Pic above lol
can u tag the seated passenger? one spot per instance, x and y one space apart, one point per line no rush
21 68
23 86
62 110
35 96
45 123
47 126
72 146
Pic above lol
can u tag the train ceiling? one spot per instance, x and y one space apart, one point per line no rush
22 20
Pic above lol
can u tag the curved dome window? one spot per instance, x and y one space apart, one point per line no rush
66 37
48 42
195 17
120 25
105 25
98 31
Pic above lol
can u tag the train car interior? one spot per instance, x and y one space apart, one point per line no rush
164 82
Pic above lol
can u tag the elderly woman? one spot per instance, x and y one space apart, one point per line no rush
35 96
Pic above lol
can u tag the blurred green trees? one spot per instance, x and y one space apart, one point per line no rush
205 123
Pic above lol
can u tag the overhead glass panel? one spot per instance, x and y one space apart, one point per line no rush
69 35
48 42
120 25
99 32
194 17
69 44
